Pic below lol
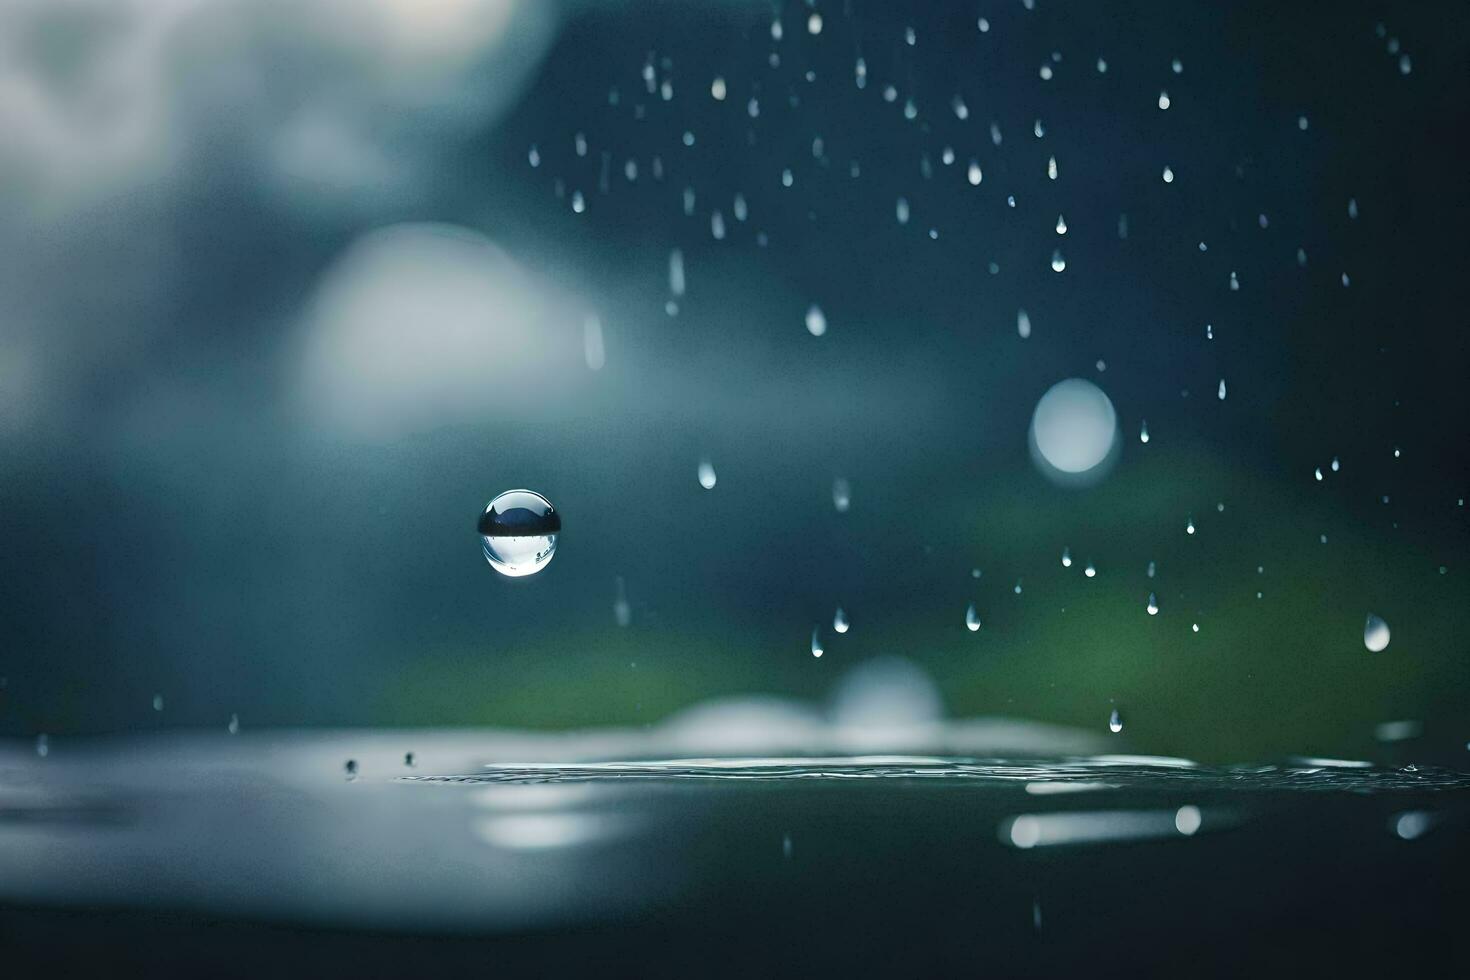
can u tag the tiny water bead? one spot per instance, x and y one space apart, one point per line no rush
1375 634
841 495
1090 571
1153 604
972 618
707 478
816 321
817 650
1115 722
1074 427
1066 558
518 530
839 621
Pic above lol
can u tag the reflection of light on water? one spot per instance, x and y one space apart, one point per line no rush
1048 829
535 796
1397 731
1335 763
1066 786
541 831
1143 760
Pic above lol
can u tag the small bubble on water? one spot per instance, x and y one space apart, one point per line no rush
972 618
817 650
839 621
707 478
518 532
1375 634
1115 722
816 320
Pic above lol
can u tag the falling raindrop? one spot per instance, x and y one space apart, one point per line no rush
158 702
717 89
1061 225
1051 167
688 202
961 110
974 175
910 110
740 209
518 531
787 178
534 156
1143 431
947 156
1153 604
1375 634
995 133
1102 67
814 23
1352 207
1335 464
676 272
234 726
1220 392
350 768
579 203
1234 281
580 144
817 650
860 73
622 611
839 621
717 225
1209 331
1038 129
841 495
1017 588
972 618
1189 527
1163 100
816 320
707 476
1023 324
1066 558
1057 262
1115 722
901 209
1178 66
1318 474
1194 628
1168 175
1045 73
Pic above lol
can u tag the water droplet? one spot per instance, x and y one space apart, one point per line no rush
1178 66
740 208
234 726
1220 392
1102 66
841 495
1318 473
1187 820
1066 557
860 73
1090 571
707 478
814 23
995 133
974 175
1152 569
1051 167
839 621
1057 262
816 320
717 89
817 650
350 768
961 110
947 156
1163 100
676 272
1352 207
786 846
1375 634
1405 65
1045 73
1073 429
1023 324
787 178
776 31
984 25
1038 129
1234 281
1194 627
1335 464
43 745
1209 331
1061 225
972 618
1143 431
1017 588
753 107
1153 604
1168 175
1115 722
518 531
901 210
688 202
622 611
580 143
910 110
579 203
158 702
1189 527
408 759
534 156
717 225
1301 123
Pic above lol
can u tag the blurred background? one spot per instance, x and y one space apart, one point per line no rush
291 290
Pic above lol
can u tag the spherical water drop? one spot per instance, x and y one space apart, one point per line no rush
1318 474
1061 225
1168 175
816 320
1115 722
1066 557
1189 528
707 476
974 175
1074 427
1057 262
1163 100
1194 628
972 618
1335 464
579 203
1102 67
534 156
1023 324
901 210
1375 634
1051 167
1143 432
1153 604
717 89
839 621
817 650
518 531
